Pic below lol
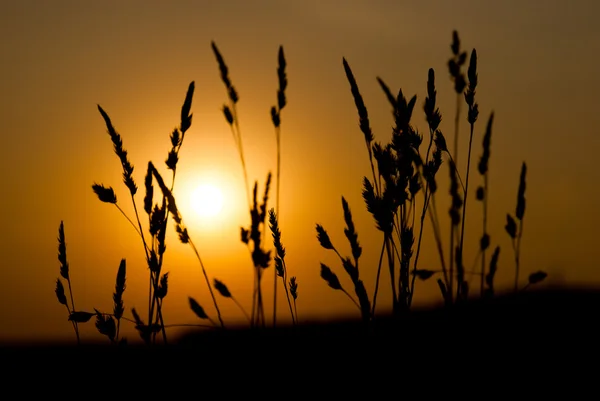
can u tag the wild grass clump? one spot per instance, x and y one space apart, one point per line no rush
159 207
401 173
253 237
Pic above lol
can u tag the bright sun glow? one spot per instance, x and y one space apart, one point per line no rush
207 200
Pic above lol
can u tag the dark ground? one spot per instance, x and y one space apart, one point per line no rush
527 336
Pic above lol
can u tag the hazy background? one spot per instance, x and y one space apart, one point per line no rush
538 70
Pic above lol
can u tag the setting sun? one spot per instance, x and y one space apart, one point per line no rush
207 200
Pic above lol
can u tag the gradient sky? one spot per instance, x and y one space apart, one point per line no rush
538 71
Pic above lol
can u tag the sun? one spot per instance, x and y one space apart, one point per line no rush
207 200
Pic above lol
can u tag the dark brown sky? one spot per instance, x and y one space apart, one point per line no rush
538 69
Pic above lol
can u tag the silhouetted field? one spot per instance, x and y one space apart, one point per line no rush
526 325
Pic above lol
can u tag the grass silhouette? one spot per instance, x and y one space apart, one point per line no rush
402 172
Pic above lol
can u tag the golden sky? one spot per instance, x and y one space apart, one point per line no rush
538 71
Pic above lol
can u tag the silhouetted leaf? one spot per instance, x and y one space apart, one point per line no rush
330 277
455 46
233 96
350 269
222 288
279 266
184 237
350 230
274 226
228 115
388 93
186 116
511 226
281 100
119 290
423 274
444 291
261 258
323 237
440 141
462 58
106 195
149 192
153 262
363 298
363 116
121 153
141 327
537 277
175 138
106 325
489 278
487 139
484 243
157 220
62 252
432 113
60 292
136 317
294 287
275 117
197 309
245 235
520 212
163 286
80 316
172 160
480 194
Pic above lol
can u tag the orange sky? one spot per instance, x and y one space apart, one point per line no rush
537 70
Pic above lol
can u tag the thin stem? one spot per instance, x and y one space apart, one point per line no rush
518 254
438 237
485 210
295 310
373 169
456 125
137 216
390 256
254 294
377 279
208 283
73 306
425 202
160 318
260 306
287 293
278 138
75 327
352 299
238 137
450 289
457 173
242 308
118 327
464 214
137 230
275 298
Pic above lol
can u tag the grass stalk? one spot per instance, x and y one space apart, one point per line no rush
212 294
376 291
